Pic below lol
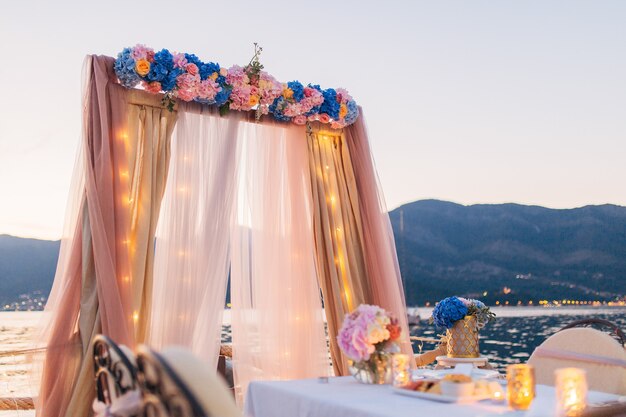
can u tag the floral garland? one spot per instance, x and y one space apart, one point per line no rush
185 77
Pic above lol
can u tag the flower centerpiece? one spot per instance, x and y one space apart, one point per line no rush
462 318
368 337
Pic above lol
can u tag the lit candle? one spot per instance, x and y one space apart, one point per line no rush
520 386
571 391
401 370
497 394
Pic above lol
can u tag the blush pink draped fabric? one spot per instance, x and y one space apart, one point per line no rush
381 260
277 319
192 256
93 288
64 368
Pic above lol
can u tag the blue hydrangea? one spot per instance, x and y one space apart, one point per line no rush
330 106
297 88
169 81
157 72
164 58
125 69
192 59
160 69
448 311
206 70
353 112
222 96
277 108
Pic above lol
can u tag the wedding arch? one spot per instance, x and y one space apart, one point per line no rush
202 175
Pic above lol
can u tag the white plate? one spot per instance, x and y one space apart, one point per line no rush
439 397
476 373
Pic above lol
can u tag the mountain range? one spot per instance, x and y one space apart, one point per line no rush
26 266
505 253
510 252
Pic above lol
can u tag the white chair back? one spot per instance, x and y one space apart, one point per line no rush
599 354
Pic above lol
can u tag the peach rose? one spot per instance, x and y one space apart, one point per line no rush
142 67
343 111
192 69
324 118
153 87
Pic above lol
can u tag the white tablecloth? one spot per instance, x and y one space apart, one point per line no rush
345 397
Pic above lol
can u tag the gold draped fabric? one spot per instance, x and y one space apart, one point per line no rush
103 286
149 133
338 233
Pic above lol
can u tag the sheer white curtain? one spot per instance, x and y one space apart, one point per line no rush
192 244
277 320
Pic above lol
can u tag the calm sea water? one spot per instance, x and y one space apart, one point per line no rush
517 331
511 339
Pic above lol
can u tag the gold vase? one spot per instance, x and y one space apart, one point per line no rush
463 339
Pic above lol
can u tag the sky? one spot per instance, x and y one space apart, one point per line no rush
467 101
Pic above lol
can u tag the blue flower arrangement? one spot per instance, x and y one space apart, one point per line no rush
452 309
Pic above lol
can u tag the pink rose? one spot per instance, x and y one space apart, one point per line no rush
192 69
324 118
300 120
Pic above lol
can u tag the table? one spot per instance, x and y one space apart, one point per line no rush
345 397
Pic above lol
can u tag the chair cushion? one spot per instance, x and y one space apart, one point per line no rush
208 387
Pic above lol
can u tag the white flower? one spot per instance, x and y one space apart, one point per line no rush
376 333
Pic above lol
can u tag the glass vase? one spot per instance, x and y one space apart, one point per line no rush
377 370
463 339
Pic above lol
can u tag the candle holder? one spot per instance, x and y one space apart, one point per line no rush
401 369
571 391
520 386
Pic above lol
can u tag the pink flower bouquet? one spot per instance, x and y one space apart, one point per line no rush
367 337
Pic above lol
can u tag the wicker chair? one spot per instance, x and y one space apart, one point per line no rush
116 374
